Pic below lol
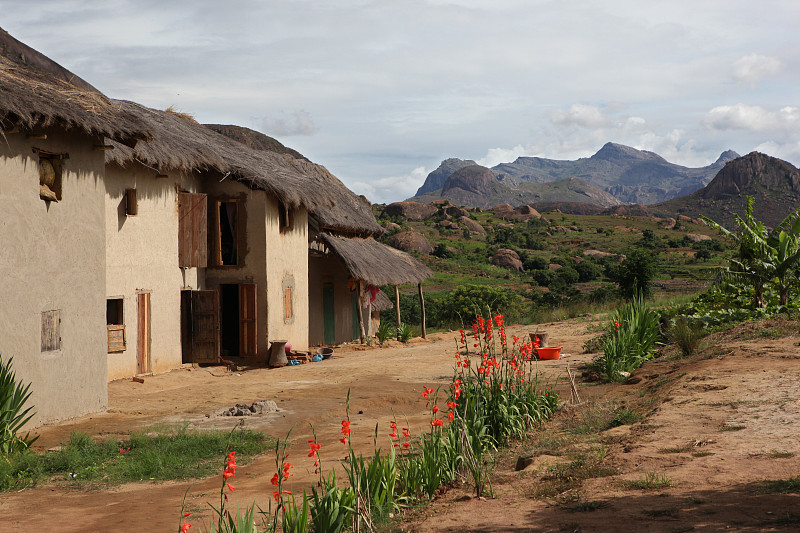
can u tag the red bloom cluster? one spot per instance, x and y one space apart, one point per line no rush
345 431
276 480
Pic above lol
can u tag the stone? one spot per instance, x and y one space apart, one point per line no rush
507 259
412 241
472 225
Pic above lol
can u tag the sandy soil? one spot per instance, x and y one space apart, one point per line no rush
751 385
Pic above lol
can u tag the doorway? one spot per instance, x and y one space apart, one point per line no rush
143 341
328 314
238 324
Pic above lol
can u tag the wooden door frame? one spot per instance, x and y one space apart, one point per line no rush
144 334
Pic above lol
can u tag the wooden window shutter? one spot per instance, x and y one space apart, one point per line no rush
51 331
116 338
287 303
248 323
131 204
192 230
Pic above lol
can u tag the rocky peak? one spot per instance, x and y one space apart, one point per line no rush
474 178
745 174
437 178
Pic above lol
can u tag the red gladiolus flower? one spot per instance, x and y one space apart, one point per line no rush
393 435
343 440
406 445
276 479
451 405
228 473
187 514
435 408
346 428
437 423
616 323
230 486
277 495
406 433
450 416
426 392
185 527
314 448
286 467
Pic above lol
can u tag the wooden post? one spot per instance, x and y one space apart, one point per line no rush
422 310
361 317
397 305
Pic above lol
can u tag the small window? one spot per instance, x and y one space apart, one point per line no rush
284 217
288 312
131 204
49 178
228 236
115 324
51 331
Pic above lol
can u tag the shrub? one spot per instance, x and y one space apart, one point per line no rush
630 340
685 335
635 273
13 413
385 330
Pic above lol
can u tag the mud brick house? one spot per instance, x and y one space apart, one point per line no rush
55 132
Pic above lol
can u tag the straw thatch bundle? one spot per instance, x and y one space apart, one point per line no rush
36 91
348 212
373 262
180 143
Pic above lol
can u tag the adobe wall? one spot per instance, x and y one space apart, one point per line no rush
52 258
142 256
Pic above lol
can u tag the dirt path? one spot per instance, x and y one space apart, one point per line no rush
383 381
721 424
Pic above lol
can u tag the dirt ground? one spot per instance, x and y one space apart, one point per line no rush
718 426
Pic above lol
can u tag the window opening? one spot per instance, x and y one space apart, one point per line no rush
284 217
228 238
115 324
49 179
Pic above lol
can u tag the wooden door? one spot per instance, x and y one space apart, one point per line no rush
205 326
248 325
143 324
356 328
328 314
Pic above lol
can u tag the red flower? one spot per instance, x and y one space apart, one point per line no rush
616 323
450 415
314 448
230 486
185 527
228 473
286 467
276 479
426 392
437 423
345 429
451 405
406 445
277 495
187 514
406 433
435 408
343 440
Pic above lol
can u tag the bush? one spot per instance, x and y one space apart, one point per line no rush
630 340
635 273
588 270
13 413
686 336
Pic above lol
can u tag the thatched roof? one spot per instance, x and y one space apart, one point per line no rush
349 213
373 262
180 143
36 91
381 302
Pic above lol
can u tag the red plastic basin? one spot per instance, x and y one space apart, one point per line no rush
549 352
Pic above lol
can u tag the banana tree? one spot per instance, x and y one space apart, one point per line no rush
763 257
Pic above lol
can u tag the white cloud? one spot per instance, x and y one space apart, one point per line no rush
753 118
297 122
392 189
583 115
753 68
495 156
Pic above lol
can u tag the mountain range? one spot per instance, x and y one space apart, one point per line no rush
616 174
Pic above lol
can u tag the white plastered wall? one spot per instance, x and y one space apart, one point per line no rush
52 257
142 256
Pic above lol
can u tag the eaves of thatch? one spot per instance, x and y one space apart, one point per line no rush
375 263
38 92
382 302
179 143
348 213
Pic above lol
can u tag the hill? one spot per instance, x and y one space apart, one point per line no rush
627 174
478 186
773 183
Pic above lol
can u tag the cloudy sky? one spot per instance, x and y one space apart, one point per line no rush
380 91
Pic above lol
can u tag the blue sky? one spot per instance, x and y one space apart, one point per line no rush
380 91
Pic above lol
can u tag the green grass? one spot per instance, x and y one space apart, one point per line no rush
783 486
167 454
651 481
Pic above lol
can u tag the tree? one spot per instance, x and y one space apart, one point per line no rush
635 273
763 257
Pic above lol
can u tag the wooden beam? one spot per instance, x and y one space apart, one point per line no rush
397 307
103 147
38 136
361 331
422 309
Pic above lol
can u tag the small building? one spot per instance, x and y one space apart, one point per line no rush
55 130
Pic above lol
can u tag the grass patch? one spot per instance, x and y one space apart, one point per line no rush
625 417
777 454
783 486
584 507
600 417
702 454
651 481
565 477
731 427
677 449
657 513
167 454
